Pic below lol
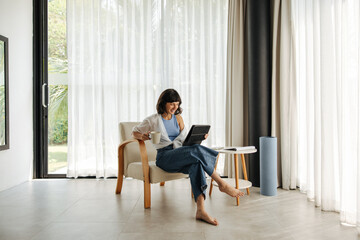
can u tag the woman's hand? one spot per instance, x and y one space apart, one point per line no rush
140 136
145 136
206 135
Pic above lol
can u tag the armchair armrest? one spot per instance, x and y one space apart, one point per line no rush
144 162
146 173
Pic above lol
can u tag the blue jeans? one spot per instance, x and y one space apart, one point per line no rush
192 160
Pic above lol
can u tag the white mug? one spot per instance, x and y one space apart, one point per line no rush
155 137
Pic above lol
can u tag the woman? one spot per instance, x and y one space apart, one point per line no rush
173 157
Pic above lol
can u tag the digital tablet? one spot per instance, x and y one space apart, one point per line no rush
196 134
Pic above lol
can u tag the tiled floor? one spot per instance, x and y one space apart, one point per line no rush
89 209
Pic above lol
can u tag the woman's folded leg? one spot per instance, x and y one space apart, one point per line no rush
180 159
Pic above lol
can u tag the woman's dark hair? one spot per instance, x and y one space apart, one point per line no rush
169 95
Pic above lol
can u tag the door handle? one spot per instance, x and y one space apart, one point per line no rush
45 95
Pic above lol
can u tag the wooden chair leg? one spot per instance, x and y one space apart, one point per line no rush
162 184
147 195
146 174
119 184
121 168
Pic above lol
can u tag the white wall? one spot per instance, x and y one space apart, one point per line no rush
16 24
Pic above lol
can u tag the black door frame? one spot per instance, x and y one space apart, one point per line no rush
40 90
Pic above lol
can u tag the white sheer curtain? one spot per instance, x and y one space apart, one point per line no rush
123 54
327 50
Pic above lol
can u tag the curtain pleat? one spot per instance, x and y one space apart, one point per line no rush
275 81
288 101
236 95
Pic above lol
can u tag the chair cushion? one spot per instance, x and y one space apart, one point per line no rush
156 174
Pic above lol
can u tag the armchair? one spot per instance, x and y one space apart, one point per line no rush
137 160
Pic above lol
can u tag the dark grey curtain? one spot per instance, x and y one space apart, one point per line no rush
259 78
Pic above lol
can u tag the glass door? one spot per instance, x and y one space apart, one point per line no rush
50 88
57 88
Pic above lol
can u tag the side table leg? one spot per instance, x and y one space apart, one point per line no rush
244 171
211 182
236 175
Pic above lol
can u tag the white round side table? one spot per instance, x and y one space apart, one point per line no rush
243 183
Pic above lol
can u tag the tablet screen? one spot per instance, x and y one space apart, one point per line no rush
196 134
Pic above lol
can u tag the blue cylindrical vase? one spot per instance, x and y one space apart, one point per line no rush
268 166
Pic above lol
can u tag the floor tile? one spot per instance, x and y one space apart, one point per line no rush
80 231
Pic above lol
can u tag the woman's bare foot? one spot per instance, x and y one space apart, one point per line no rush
202 215
225 187
233 192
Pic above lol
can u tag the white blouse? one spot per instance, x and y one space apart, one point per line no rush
155 123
